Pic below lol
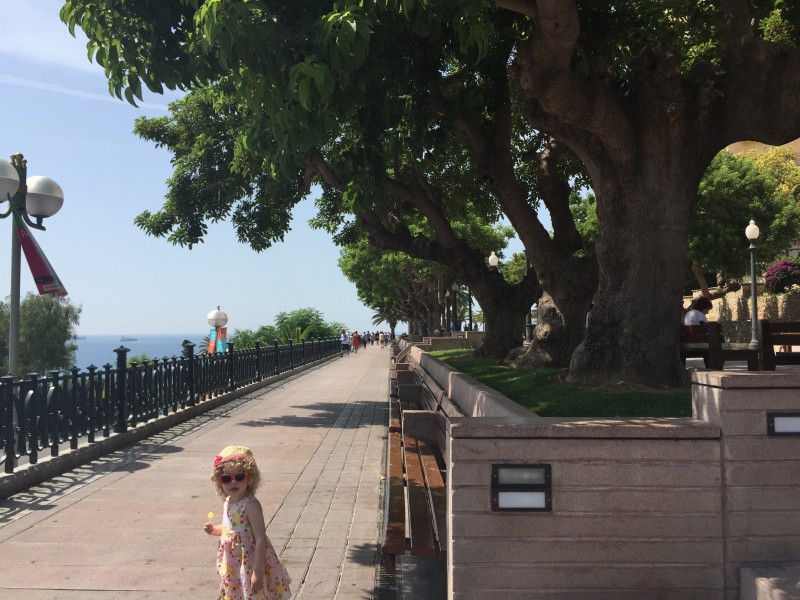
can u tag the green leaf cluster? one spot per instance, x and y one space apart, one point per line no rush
47 331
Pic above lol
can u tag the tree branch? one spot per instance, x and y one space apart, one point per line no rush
543 69
523 7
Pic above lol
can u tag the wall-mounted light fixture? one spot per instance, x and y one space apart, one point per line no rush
783 423
521 488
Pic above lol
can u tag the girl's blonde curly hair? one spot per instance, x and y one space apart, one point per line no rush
235 458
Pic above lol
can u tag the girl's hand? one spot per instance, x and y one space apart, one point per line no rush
209 528
256 581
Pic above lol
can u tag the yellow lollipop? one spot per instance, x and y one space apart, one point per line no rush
210 516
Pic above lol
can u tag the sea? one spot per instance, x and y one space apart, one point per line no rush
98 350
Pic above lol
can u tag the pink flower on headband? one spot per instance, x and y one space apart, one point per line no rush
217 460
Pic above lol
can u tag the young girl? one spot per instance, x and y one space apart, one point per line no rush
249 568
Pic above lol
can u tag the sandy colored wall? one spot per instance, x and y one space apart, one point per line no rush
761 472
641 508
631 517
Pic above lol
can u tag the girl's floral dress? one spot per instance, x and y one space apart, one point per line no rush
236 557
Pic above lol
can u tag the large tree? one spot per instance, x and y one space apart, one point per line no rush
645 93
734 190
47 333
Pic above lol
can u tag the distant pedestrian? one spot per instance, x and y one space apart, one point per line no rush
345 343
356 342
248 566
382 339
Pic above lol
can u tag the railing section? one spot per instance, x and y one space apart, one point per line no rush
41 414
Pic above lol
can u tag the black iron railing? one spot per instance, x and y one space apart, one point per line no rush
42 414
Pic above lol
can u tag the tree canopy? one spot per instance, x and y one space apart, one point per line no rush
734 190
393 105
47 330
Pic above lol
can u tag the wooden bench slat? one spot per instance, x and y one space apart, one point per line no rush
394 540
778 333
710 341
437 496
420 531
394 415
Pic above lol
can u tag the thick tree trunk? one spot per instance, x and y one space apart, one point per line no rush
568 290
556 334
504 309
505 325
632 336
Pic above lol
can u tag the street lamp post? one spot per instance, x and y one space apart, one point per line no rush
447 315
751 231
455 288
217 319
38 197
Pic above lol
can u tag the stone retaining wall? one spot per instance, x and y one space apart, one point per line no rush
640 508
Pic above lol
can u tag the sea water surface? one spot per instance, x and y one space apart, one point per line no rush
98 350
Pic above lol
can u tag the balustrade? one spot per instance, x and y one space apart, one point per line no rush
40 414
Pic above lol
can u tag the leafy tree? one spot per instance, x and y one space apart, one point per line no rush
306 322
47 330
388 103
734 190
246 338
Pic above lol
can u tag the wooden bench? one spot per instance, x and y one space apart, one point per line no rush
415 498
784 334
707 342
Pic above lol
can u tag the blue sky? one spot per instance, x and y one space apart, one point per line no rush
56 110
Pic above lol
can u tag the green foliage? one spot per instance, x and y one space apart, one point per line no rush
733 191
541 391
246 338
584 211
514 269
47 330
297 325
776 28
139 358
306 322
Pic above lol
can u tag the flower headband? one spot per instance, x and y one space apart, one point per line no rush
230 453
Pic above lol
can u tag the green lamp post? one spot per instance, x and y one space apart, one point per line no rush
34 197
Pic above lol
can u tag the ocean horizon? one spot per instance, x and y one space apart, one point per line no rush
98 350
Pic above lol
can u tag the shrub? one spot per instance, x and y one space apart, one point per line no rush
782 275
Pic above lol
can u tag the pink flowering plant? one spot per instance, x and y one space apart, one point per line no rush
782 276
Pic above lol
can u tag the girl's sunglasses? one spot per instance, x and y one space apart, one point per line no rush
229 478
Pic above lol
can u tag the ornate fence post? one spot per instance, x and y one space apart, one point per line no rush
303 352
107 405
75 412
277 359
91 404
54 412
231 367
7 398
121 392
291 354
190 360
258 360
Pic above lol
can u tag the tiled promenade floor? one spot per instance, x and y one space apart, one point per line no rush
130 525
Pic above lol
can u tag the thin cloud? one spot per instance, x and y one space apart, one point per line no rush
65 91
34 33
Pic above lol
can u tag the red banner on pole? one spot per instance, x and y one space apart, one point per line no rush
47 282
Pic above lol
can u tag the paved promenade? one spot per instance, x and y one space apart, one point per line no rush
130 526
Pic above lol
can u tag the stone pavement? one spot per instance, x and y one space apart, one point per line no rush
130 525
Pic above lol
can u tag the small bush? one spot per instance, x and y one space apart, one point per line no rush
782 276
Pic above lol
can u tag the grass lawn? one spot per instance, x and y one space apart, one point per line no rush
540 391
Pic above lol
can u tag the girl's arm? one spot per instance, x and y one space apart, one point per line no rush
255 515
212 529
